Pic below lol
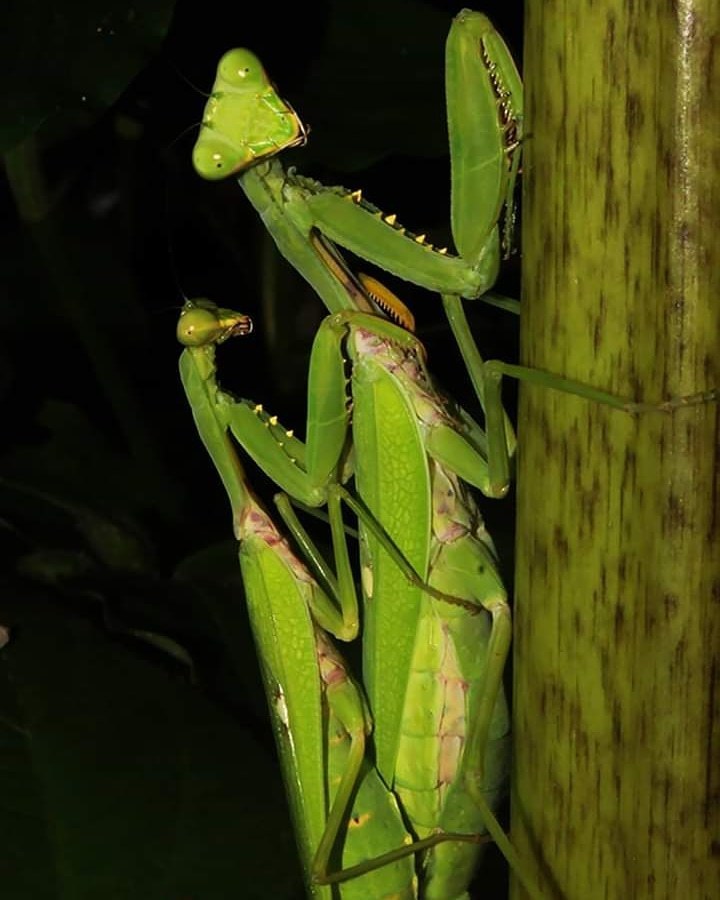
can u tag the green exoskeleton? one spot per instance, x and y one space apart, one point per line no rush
345 817
317 710
434 647
246 124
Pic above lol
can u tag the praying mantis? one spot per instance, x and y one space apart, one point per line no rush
305 677
319 714
246 124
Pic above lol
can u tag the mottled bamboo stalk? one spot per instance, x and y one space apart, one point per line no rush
617 647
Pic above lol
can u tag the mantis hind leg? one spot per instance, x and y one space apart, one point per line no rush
487 375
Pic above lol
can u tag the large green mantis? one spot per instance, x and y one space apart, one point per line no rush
246 123
319 715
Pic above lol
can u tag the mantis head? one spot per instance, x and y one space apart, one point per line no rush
245 119
202 323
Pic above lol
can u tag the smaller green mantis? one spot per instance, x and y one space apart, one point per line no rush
319 714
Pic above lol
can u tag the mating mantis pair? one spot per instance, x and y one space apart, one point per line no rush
433 537
407 635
